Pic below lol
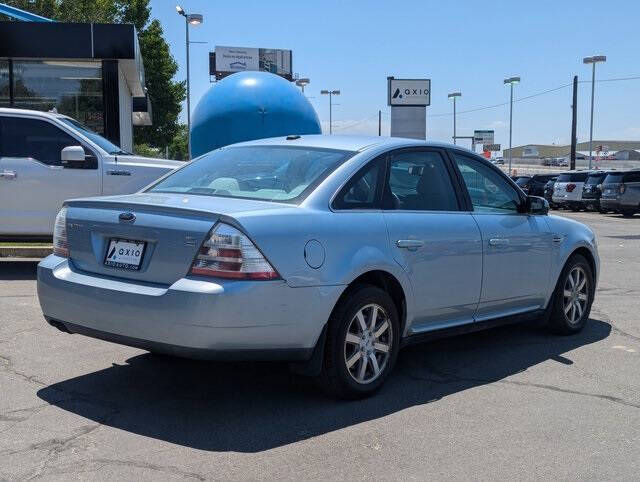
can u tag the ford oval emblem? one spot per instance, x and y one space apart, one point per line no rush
127 217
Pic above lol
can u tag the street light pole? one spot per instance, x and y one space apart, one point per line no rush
453 96
193 19
330 93
302 83
593 60
511 81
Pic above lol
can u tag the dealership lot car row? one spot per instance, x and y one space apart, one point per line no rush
378 242
615 191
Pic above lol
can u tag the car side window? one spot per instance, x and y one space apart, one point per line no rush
488 190
632 177
33 139
361 192
419 181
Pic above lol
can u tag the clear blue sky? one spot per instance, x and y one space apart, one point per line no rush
353 45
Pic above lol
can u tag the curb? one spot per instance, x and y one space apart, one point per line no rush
25 251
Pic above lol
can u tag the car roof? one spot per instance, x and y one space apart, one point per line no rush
345 143
40 113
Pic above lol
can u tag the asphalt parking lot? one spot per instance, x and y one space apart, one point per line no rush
513 402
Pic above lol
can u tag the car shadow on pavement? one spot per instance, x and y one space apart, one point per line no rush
251 407
18 270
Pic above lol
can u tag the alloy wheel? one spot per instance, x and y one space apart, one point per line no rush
368 343
576 295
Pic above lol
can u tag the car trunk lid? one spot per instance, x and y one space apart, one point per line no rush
172 228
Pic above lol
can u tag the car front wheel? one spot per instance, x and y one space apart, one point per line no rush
362 343
573 296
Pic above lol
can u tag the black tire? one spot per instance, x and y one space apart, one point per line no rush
559 321
335 377
628 214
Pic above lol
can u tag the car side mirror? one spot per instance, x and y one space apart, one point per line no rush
537 205
72 155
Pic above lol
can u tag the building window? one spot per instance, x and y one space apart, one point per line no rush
72 88
5 101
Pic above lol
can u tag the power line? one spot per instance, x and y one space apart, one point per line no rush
348 126
548 91
494 106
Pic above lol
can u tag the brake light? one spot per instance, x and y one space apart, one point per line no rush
570 187
228 253
623 188
60 246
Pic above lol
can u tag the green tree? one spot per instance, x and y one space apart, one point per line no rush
166 95
178 146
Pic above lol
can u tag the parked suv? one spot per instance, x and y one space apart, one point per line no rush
534 185
567 191
46 158
591 191
548 192
621 192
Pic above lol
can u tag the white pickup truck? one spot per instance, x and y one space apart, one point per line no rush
46 158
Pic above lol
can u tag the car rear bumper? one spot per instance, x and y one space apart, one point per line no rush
610 204
195 318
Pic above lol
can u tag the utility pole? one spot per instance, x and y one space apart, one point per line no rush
379 122
574 116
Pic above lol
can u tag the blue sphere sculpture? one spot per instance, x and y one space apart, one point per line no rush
250 105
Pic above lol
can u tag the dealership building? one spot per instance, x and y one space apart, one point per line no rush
612 150
91 72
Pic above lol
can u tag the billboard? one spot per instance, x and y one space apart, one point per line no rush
229 60
483 137
409 92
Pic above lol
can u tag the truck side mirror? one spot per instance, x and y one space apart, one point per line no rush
72 156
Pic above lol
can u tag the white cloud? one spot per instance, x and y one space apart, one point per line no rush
498 124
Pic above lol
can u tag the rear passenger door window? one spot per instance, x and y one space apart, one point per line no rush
419 180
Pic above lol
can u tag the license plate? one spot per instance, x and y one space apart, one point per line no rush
124 254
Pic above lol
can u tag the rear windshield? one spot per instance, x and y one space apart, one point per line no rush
522 181
594 180
614 178
573 177
268 173
544 177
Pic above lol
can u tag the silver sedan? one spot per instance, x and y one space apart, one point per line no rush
329 252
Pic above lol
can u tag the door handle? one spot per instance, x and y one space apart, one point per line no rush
8 174
118 173
409 243
498 242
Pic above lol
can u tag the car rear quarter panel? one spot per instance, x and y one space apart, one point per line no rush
353 242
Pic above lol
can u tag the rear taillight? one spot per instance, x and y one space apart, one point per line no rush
60 246
570 187
228 253
623 188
